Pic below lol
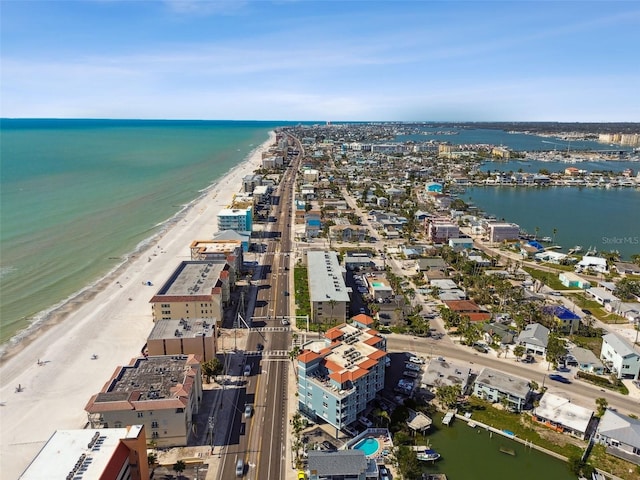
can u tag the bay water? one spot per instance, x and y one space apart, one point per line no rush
77 196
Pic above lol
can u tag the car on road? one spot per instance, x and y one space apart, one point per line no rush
559 378
240 468
286 294
328 445
285 321
586 311
248 410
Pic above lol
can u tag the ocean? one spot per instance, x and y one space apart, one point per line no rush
77 196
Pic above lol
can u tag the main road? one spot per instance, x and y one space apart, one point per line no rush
260 440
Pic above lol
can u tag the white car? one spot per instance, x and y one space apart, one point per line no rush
366 422
416 360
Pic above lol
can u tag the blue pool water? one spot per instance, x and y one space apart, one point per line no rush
369 446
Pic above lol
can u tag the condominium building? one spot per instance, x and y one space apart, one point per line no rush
163 393
441 229
237 219
327 290
92 454
196 289
220 250
339 375
182 336
500 232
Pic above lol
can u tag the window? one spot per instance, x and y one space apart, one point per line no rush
140 414
165 305
179 410
154 424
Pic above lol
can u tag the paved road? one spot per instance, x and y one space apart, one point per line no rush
261 439
585 394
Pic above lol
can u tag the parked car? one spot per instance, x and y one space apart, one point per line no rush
328 445
247 370
366 422
586 311
416 360
248 410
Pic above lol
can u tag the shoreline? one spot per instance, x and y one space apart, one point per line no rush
111 318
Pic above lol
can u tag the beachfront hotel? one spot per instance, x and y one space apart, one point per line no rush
160 392
327 290
340 374
196 289
224 248
92 454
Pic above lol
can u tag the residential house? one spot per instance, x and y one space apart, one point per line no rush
341 465
596 264
621 435
312 223
571 280
534 338
469 309
441 373
559 414
627 268
602 295
620 356
462 243
495 386
567 321
587 361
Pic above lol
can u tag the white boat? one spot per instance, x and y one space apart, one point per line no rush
428 455
546 239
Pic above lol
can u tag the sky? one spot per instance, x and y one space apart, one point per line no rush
331 60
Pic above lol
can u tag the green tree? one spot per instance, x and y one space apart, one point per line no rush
408 462
448 395
518 351
152 458
211 368
556 349
602 405
179 467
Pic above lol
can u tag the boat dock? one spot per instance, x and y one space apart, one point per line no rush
449 417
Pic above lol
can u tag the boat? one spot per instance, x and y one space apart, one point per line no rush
428 455
472 424
575 249
508 451
546 239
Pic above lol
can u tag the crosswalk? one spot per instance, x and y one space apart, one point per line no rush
269 354
270 329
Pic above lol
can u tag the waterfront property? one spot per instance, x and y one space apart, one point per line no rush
621 435
340 465
327 289
196 289
499 232
183 336
571 280
161 392
495 386
92 454
339 375
220 249
620 356
236 219
559 414
441 373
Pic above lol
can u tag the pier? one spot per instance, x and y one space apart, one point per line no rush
449 417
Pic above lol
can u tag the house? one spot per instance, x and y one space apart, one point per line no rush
621 435
627 268
497 330
596 264
312 223
620 357
587 361
559 414
468 308
602 295
92 454
340 465
495 386
571 280
441 373
161 392
534 338
566 320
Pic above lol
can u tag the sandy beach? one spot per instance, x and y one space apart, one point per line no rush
55 368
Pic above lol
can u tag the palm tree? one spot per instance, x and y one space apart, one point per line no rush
537 229
602 406
332 304
555 230
179 467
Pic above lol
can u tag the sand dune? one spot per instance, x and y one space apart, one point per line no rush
55 368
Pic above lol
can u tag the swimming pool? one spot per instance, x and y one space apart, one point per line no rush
368 445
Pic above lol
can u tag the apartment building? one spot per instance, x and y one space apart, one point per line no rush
620 356
327 290
339 375
495 386
237 219
183 336
196 289
220 250
500 232
160 392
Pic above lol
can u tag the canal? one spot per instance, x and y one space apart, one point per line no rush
474 453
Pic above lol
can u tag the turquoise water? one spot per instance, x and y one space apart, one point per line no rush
369 446
77 195
606 219
473 453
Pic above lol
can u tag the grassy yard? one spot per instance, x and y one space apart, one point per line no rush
548 278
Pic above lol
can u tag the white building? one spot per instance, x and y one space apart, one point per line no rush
621 435
561 415
499 232
495 386
237 219
596 264
327 289
620 357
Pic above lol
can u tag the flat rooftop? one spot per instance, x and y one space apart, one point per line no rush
151 378
192 278
503 382
183 328
216 246
560 410
443 373
62 452
327 282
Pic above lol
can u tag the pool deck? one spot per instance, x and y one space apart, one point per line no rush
383 437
